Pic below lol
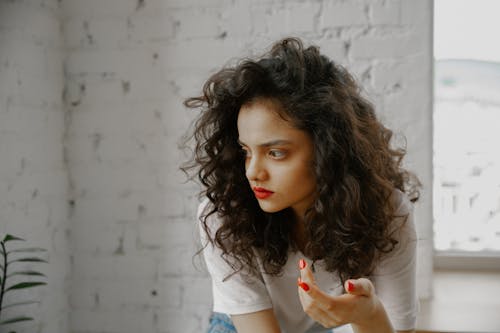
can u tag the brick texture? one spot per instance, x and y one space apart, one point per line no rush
90 119
33 173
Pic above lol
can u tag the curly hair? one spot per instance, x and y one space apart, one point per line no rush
356 169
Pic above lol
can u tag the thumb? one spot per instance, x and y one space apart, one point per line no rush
361 287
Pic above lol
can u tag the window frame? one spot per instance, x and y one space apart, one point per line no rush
466 260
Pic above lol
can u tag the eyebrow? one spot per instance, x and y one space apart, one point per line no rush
279 142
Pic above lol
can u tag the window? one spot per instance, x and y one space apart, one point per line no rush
467 133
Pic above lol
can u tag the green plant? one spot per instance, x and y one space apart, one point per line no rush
8 260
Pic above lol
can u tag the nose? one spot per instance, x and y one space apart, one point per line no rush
255 169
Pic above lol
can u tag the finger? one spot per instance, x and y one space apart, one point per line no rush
362 287
305 272
314 311
306 279
308 286
311 294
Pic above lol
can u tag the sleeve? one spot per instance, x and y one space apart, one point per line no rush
237 294
395 276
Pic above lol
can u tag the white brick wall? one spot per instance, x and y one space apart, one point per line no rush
128 66
33 174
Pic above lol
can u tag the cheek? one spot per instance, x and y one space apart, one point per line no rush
307 179
299 179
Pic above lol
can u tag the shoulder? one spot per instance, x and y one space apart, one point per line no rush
207 212
394 276
401 258
401 202
208 221
402 226
203 207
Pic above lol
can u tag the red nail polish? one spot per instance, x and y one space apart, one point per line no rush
302 264
304 286
350 286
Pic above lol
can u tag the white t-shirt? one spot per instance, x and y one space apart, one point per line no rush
394 280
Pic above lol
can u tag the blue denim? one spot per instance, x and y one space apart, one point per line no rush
221 323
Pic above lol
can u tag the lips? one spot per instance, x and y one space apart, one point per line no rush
261 193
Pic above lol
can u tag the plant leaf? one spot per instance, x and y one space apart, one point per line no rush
23 285
10 238
15 320
30 273
29 249
19 303
28 259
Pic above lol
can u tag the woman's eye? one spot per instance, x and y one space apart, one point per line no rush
277 153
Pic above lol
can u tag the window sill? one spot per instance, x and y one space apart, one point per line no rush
464 301
466 261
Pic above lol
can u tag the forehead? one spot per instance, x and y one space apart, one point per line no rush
263 120
262 112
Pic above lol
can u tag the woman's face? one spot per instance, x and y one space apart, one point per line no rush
279 158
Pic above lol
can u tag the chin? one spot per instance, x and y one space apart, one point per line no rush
270 208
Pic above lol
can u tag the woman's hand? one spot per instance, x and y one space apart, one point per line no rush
359 307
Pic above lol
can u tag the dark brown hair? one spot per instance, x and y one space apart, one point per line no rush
356 169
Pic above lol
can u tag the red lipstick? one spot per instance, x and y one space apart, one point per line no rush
262 193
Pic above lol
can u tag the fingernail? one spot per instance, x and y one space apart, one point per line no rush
304 286
302 264
350 286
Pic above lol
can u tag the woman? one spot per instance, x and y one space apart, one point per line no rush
307 225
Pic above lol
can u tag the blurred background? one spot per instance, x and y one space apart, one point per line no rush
466 127
91 118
